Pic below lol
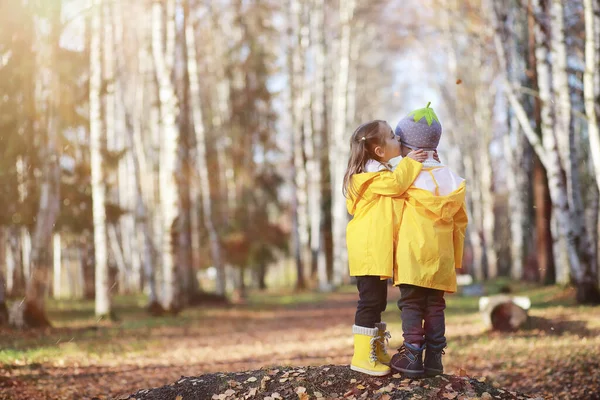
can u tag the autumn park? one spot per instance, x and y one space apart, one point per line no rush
299 199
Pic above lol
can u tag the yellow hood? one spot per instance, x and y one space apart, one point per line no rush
442 207
431 238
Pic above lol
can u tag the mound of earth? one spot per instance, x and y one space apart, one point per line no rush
322 382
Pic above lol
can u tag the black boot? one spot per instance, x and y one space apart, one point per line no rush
433 361
409 361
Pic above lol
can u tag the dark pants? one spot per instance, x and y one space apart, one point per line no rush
372 292
418 304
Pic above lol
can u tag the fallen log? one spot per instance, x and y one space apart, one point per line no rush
503 312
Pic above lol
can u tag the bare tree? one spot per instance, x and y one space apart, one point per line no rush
168 151
339 145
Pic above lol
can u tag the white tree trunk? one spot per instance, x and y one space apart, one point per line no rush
10 258
560 87
168 156
26 252
57 272
298 170
518 199
97 166
142 169
517 159
317 17
567 141
339 148
216 65
126 177
119 258
483 115
475 215
201 157
556 184
589 84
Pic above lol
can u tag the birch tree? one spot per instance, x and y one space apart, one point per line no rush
317 223
201 154
102 305
339 148
589 81
548 151
168 153
48 100
298 170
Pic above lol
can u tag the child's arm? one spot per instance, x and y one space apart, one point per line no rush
397 182
460 226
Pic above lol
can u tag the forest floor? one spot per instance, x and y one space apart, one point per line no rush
557 356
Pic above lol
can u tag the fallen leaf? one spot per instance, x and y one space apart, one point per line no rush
300 389
486 396
318 395
251 379
283 380
458 81
462 372
385 397
179 397
378 383
263 382
276 395
361 387
396 376
449 395
229 392
352 380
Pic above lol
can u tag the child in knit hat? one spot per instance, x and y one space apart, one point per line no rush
429 248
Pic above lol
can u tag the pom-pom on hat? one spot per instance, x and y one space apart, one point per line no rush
420 129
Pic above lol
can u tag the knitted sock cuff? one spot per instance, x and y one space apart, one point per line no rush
361 330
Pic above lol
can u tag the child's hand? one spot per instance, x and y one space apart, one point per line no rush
436 157
417 155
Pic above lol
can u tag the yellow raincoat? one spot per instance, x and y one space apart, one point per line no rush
371 232
430 238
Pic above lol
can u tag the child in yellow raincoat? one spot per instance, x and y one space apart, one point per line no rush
429 248
370 187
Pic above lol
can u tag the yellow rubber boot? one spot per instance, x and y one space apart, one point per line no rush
383 336
365 357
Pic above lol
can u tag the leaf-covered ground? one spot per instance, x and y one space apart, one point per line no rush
556 356
323 382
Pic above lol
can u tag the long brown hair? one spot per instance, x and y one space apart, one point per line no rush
362 143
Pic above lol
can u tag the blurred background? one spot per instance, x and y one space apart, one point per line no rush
192 149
